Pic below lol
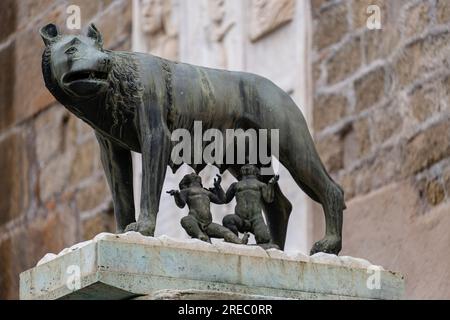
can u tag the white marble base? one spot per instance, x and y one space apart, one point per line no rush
133 266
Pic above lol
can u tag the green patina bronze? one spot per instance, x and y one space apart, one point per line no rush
251 195
135 101
199 223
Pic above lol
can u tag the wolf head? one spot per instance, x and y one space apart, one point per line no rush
77 64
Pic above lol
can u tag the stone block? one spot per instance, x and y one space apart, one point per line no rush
370 88
131 265
28 11
417 18
385 167
347 182
345 61
426 148
357 142
331 151
189 244
380 168
89 9
28 43
14 257
446 178
331 25
115 30
360 15
289 255
387 122
14 188
192 294
422 56
316 5
7 62
99 222
443 11
8 18
54 231
49 133
26 244
434 191
325 258
424 101
93 195
84 162
379 44
29 48
409 63
231 248
317 72
54 176
328 109
362 134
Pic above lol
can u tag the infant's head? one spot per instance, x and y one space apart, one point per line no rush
249 170
190 180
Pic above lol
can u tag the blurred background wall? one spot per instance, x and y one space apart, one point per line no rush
53 192
382 126
376 100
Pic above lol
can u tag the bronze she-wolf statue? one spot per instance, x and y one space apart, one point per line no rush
135 101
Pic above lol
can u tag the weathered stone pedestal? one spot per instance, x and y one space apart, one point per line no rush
130 266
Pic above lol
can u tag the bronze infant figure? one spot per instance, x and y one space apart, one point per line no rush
250 195
134 102
198 223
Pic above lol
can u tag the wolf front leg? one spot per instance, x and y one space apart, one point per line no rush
119 174
155 148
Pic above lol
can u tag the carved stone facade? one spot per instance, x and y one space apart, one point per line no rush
269 15
252 36
218 29
157 27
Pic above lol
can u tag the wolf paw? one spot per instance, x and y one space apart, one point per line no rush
143 227
329 244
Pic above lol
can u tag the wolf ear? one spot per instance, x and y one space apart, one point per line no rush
95 34
49 33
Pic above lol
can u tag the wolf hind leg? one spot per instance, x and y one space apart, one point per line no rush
333 206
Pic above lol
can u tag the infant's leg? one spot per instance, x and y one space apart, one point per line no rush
192 227
215 230
261 231
234 223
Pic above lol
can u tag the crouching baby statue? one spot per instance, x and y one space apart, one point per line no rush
198 223
250 194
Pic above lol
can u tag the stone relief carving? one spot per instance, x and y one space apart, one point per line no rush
269 15
158 28
218 30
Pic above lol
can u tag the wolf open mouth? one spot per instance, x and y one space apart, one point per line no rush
84 75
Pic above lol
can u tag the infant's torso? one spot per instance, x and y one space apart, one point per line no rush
248 198
199 204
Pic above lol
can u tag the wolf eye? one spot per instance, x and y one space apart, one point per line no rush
71 50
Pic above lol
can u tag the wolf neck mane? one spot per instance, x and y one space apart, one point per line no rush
125 90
